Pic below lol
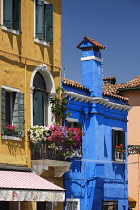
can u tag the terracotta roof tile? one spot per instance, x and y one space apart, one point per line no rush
96 43
73 84
108 89
109 78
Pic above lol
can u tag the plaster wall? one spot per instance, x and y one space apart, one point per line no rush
134 139
94 177
19 56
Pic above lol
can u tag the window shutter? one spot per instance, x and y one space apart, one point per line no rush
16 14
48 22
7 13
113 143
18 113
40 19
2 110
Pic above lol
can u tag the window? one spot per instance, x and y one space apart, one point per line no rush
12 109
110 205
5 205
118 144
45 206
40 101
11 14
44 21
73 123
72 204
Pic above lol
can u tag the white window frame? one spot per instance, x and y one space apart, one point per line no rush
72 199
11 89
4 27
36 39
51 88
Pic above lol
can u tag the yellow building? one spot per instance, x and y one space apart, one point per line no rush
30 68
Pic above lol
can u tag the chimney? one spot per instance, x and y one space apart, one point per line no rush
109 80
91 66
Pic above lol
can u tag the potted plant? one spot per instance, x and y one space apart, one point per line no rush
63 140
10 130
119 152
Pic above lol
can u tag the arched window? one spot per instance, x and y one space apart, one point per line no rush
40 100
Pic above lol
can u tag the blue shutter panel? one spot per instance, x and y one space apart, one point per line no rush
48 22
40 19
16 14
2 110
18 113
7 13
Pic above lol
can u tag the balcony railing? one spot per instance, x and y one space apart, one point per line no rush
41 150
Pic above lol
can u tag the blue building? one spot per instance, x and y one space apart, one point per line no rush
98 176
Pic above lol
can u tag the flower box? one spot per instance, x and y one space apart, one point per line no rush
119 156
60 142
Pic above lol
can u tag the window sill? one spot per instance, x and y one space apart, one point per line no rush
41 42
10 30
15 138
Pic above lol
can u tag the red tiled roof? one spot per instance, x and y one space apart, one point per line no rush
109 78
96 43
108 89
73 84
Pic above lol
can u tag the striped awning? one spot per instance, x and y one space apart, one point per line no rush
28 186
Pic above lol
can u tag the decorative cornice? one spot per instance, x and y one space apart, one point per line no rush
91 58
98 100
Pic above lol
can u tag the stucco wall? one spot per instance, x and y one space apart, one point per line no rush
134 139
19 56
94 177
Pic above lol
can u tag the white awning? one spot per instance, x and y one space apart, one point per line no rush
28 186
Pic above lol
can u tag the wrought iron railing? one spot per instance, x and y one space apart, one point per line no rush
41 150
133 149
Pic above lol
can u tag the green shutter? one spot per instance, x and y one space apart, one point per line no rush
2 110
16 14
7 13
18 113
48 21
40 19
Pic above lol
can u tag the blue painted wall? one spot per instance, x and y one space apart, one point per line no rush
94 177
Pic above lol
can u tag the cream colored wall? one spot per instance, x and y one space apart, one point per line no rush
134 139
19 56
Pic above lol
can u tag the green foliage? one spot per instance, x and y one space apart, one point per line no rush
59 103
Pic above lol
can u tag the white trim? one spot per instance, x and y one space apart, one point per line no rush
98 100
50 88
15 138
10 30
117 129
91 58
71 119
41 42
71 199
10 89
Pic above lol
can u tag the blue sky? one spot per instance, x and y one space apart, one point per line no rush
114 23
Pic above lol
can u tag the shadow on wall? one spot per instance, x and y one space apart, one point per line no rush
98 195
119 170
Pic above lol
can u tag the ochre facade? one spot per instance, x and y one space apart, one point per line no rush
20 55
